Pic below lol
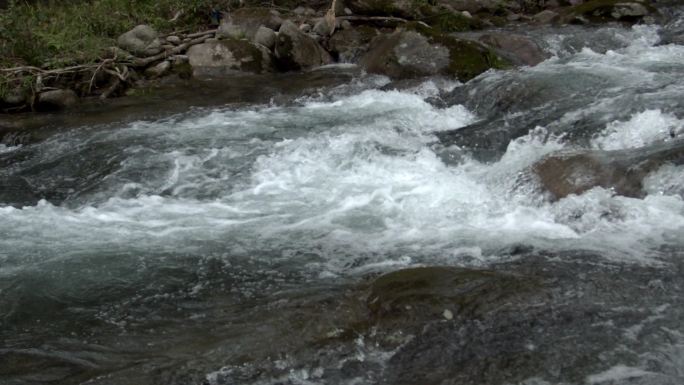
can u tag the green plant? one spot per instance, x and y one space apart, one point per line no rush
56 33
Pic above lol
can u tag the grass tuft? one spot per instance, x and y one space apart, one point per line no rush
56 33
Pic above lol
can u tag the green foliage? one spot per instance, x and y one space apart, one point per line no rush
452 22
55 33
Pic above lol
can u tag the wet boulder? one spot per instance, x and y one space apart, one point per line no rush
673 32
16 191
266 37
573 325
544 17
56 100
158 70
141 41
408 53
296 50
565 173
351 43
224 57
593 11
244 23
517 49
405 54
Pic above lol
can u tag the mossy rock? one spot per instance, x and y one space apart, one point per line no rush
424 293
417 50
467 59
596 11
446 21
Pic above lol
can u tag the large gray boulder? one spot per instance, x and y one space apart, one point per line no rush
405 54
405 8
673 32
296 50
244 23
266 37
158 70
141 41
223 57
412 53
517 49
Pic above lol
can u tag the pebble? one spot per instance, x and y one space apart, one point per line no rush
175 40
448 314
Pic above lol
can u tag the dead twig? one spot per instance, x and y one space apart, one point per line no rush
198 34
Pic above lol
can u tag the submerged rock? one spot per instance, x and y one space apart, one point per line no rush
418 295
296 50
16 191
572 325
141 41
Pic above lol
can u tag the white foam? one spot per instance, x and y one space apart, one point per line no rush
640 130
668 180
617 373
5 148
353 178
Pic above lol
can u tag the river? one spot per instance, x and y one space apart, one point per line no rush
231 241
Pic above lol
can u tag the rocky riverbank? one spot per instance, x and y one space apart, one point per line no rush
400 39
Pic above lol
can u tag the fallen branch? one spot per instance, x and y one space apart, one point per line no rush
175 33
111 89
198 34
97 70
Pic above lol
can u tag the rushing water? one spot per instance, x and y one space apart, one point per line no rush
217 244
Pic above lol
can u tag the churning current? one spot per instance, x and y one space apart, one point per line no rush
180 250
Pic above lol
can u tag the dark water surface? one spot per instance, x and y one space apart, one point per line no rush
230 232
